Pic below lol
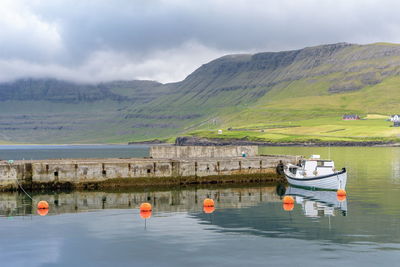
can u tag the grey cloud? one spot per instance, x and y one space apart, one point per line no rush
162 39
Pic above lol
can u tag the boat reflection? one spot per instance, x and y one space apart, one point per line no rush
317 203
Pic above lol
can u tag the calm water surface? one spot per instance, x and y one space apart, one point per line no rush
248 227
19 152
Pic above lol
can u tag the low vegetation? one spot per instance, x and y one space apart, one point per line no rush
314 130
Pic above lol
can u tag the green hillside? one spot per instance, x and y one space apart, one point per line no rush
297 95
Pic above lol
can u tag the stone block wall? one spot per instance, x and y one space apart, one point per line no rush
187 152
98 170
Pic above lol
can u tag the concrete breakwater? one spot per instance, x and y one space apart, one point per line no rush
166 165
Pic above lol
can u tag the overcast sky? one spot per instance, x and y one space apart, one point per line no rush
165 40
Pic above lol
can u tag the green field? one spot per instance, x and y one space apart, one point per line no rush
285 116
317 130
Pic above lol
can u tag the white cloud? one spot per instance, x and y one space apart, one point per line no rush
162 65
24 34
166 40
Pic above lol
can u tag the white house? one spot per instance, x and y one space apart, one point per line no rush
395 118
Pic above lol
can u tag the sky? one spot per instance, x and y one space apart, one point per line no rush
165 40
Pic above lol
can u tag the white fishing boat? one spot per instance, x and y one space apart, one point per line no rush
316 173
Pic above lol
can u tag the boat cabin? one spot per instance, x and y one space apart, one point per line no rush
313 167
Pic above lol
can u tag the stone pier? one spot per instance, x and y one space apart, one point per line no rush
166 165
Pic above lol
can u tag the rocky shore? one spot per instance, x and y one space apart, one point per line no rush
198 141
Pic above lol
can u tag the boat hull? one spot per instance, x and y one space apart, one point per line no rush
333 181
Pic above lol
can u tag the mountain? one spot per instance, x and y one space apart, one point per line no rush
284 94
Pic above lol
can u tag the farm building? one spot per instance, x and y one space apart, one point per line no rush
395 118
351 117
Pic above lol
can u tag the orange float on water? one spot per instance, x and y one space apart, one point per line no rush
145 207
341 198
145 214
43 205
288 200
341 195
288 206
341 192
42 212
208 209
208 202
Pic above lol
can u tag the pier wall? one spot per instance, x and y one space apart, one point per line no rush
143 170
170 152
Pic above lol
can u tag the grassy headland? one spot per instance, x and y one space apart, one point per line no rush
331 129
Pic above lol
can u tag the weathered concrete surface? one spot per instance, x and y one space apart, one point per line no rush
187 152
144 171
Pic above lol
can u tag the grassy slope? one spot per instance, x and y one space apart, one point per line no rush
248 92
318 115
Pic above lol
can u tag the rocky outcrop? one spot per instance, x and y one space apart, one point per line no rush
196 141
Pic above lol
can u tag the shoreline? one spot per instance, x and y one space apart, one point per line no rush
196 141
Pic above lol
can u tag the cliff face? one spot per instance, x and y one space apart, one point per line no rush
63 91
354 64
217 93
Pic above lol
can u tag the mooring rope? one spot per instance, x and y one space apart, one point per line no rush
16 179
20 186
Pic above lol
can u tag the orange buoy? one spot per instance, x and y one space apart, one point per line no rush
288 206
288 200
145 207
341 198
42 212
208 202
43 205
145 214
207 209
341 192
341 195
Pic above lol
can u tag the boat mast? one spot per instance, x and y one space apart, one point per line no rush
329 150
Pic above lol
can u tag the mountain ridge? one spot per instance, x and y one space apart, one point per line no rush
233 90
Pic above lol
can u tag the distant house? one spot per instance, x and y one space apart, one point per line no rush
351 117
395 118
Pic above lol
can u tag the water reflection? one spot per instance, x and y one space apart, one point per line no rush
186 200
318 203
313 203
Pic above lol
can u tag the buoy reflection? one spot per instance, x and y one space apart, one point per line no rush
145 214
288 206
208 209
42 212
